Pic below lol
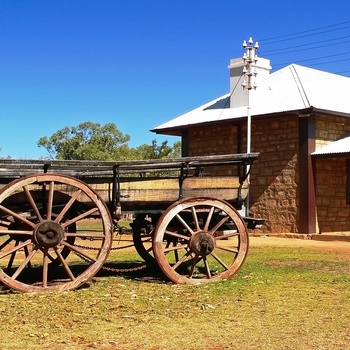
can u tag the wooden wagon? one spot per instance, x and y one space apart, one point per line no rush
186 218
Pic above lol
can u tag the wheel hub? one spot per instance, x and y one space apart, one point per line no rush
202 243
48 234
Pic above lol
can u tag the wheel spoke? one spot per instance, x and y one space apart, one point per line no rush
25 262
16 248
17 216
143 228
79 251
219 224
50 201
180 261
32 202
227 235
51 258
175 234
17 232
9 240
147 239
176 253
45 267
227 249
195 218
184 223
175 248
74 197
148 250
4 223
207 267
64 264
13 255
193 265
207 222
222 263
79 217
26 252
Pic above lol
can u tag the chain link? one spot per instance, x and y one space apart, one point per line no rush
106 268
123 270
94 248
113 269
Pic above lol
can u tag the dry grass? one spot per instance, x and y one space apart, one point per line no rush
288 295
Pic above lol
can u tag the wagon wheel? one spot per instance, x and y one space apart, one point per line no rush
142 237
30 247
143 232
143 245
211 235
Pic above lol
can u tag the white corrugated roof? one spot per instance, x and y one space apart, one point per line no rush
336 147
288 89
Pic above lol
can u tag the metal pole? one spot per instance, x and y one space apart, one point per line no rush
249 57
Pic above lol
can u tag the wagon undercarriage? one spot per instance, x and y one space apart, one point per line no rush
185 223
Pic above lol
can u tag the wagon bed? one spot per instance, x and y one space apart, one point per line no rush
184 206
143 180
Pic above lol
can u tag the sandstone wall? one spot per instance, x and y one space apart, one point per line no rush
274 193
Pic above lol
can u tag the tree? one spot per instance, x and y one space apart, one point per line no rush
87 141
92 141
155 151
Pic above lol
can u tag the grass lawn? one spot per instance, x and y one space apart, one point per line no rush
290 294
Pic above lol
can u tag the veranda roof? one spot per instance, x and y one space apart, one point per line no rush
337 148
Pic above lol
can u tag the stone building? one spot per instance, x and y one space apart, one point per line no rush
300 123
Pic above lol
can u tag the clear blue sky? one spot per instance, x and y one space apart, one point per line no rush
140 63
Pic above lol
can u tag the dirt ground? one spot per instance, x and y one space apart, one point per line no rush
329 241
339 243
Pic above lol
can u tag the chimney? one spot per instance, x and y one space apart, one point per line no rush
239 95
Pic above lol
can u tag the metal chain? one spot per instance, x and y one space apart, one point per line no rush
111 269
93 248
123 270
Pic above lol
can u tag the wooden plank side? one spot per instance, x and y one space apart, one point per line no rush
84 168
145 189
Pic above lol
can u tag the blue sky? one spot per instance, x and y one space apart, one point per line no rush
140 63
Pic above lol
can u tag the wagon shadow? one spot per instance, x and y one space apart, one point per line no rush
133 270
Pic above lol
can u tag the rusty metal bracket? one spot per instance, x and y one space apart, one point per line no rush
184 171
46 167
117 210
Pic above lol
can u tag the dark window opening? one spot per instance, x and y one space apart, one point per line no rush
348 181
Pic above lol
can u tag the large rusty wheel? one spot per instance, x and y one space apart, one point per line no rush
44 220
212 241
143 227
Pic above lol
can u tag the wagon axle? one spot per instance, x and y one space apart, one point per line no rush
202 243
48 234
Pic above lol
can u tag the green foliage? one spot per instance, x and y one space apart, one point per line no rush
155 151
93 141
88 141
